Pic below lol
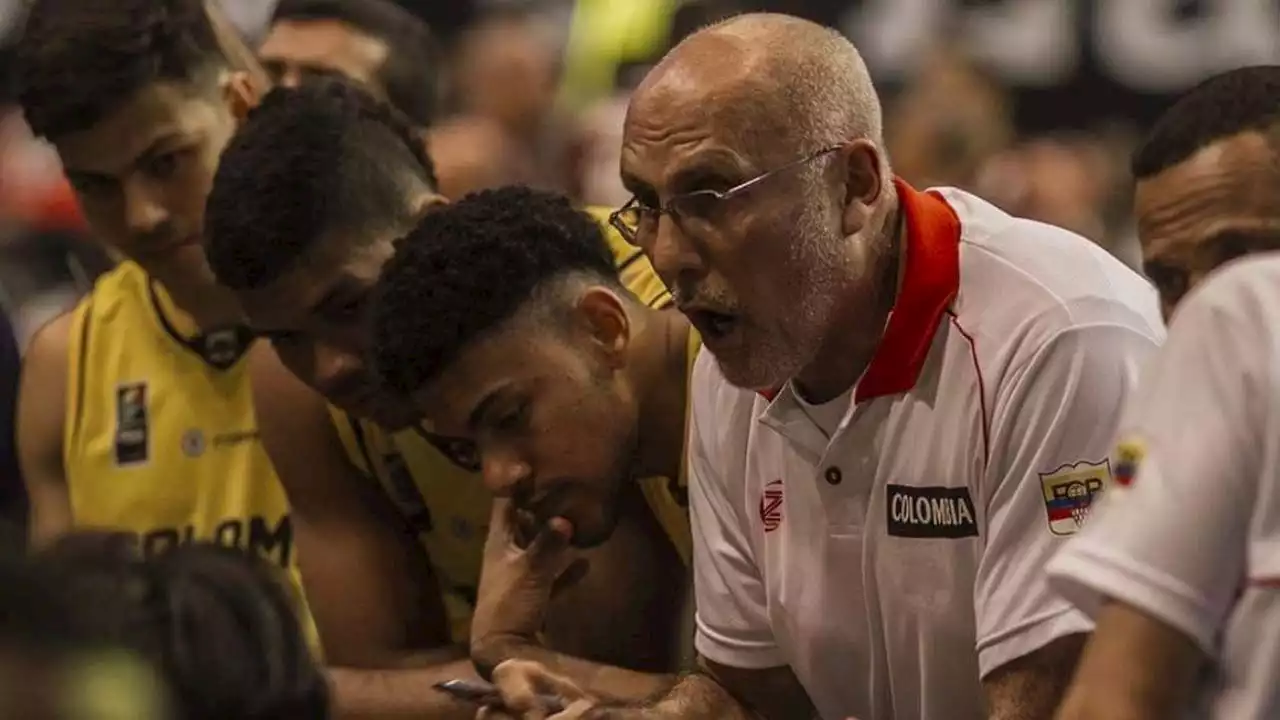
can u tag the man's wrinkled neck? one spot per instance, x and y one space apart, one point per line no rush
852 336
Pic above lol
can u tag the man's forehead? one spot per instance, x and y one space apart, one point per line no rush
113 143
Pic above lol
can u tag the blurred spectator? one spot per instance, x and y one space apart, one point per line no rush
52 667
507 73
217 624
374 42
947 122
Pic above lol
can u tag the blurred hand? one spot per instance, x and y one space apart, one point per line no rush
516 583
526 688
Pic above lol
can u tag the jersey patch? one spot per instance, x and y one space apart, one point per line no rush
930 512
1129 454
1069 492
132 426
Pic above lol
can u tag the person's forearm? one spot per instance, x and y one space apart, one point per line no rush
401 693
608 682
693 697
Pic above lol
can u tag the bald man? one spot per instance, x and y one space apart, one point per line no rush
905 403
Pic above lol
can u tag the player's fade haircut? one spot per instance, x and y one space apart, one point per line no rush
1233 102
309 163
469 267
413 62
79 60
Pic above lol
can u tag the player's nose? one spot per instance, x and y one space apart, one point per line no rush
337 373
502 471
144 214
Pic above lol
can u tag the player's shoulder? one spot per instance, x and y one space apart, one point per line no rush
51 343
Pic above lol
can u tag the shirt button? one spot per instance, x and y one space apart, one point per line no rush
833 475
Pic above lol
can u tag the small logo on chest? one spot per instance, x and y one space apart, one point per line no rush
771 506
132 436
930 512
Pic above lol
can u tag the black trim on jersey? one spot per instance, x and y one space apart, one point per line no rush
220 349
358 433
84 363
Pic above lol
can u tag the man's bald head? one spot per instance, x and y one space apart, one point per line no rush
794 83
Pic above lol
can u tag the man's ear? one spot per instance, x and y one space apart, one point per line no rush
241 93
864 183
605 317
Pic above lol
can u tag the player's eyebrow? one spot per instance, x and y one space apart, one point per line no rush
343 289
483 408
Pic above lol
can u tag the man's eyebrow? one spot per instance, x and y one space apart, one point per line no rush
344 288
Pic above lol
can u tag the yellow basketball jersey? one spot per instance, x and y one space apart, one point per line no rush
449 506
668 498
158 441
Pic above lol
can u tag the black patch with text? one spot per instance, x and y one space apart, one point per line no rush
132 436
930 512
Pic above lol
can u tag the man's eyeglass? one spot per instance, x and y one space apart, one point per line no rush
635 219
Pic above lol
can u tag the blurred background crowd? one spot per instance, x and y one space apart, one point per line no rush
1030 103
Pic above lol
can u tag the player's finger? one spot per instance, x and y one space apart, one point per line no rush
517 683
546 550
502 522
546 683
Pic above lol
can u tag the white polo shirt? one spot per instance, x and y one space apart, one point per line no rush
1194 539
894 565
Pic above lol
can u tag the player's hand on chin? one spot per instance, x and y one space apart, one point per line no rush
516 582
527 689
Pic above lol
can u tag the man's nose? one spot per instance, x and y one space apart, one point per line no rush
675 256
144 214
502 471
335 370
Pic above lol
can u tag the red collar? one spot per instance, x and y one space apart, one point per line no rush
930 282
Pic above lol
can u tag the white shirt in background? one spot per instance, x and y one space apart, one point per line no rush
1194 539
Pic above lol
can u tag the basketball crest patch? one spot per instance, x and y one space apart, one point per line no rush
1069 492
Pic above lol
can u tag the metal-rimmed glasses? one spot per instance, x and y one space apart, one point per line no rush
636 219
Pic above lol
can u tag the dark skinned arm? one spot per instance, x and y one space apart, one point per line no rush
1135 667
613 615
41 416
369 584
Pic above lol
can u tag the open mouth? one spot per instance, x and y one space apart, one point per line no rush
713 325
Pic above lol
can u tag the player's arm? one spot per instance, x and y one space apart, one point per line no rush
42 408
1162 560
1058 409
369 586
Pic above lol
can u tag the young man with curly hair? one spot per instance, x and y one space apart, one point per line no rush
564 388
308 199
135 410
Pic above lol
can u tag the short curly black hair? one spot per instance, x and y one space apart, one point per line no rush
410 72
78 60
1227 104
308 163
469 267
